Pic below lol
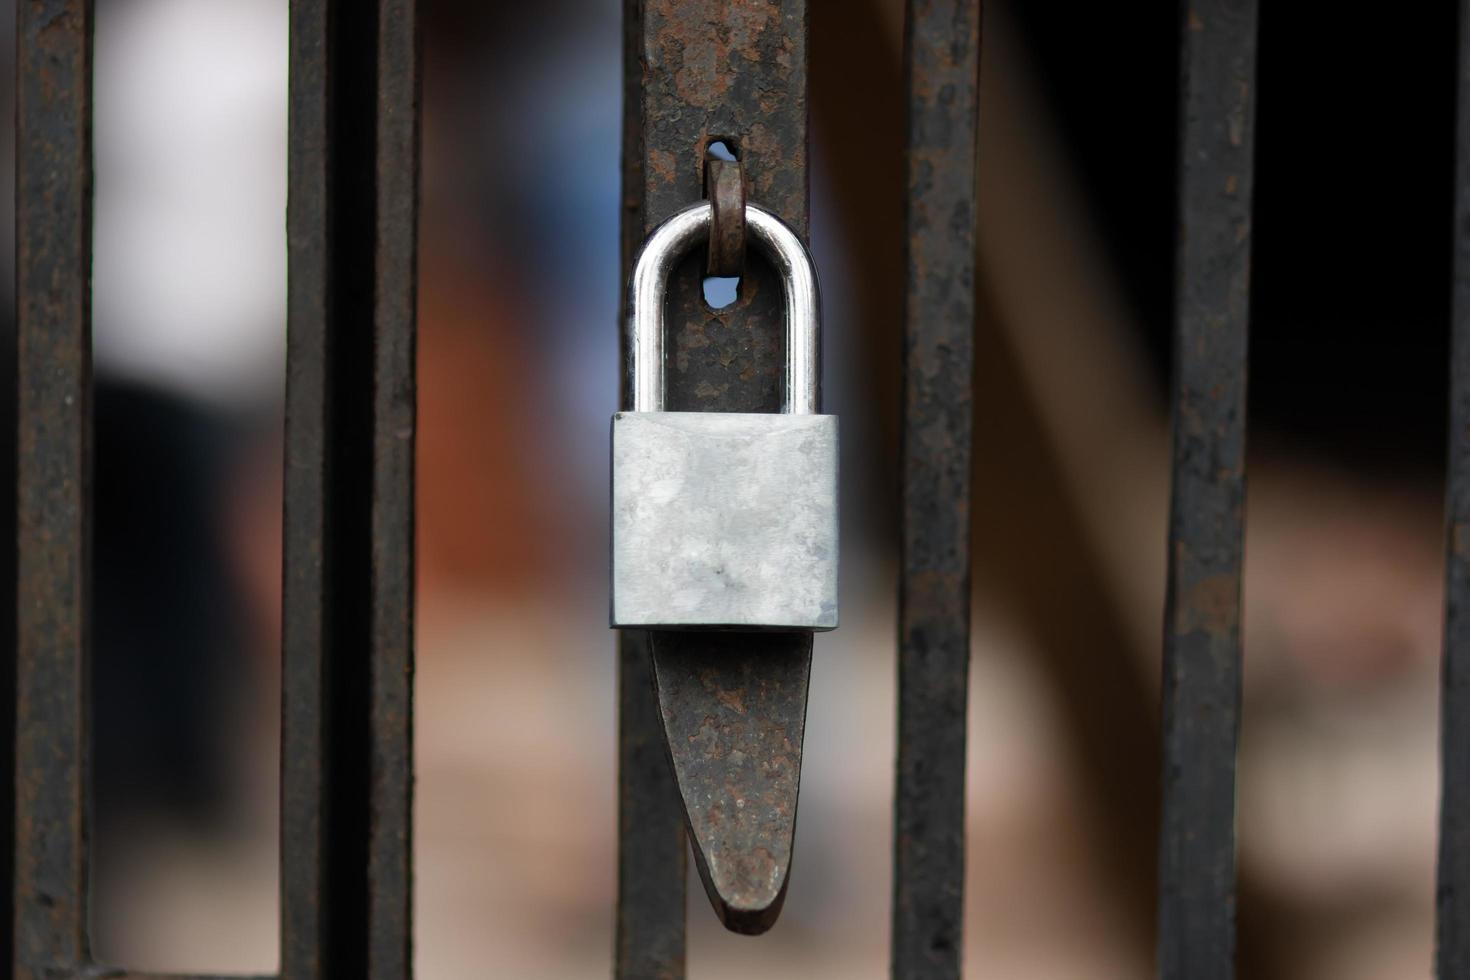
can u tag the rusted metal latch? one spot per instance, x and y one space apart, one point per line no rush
724 531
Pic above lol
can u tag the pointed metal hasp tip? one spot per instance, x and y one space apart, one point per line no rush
733 707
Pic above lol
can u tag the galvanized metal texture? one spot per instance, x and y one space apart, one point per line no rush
735 71
942 58
724 520
738 703
648 287
347 643
54 498
1452 921
724 186
1202 652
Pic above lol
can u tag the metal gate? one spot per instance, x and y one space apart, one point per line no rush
347 681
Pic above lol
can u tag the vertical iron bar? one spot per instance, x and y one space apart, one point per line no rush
390 850
1452 935
348 630
53 296
733 70
942 58
305 640
1202 650
651 852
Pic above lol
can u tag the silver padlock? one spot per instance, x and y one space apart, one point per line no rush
724 520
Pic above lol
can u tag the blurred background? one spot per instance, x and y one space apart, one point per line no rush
518 374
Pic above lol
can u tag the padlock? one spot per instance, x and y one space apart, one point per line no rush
724 520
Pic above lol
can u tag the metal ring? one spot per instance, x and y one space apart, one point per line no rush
724 186
661 253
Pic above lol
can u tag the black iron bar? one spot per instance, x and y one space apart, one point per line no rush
390 841
347 642
54 496
1452 923
942 57
651 851
1202 646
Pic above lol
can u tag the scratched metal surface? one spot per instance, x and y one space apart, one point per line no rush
693 547
1202 650
696 72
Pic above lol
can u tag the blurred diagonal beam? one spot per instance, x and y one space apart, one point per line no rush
1202 650
348 632
1452 936
54 496
942 60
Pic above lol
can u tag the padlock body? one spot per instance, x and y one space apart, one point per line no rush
724 521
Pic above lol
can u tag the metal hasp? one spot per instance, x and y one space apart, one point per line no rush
1202 651
724 520
728 521
697 71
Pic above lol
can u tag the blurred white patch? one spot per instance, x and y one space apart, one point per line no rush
190 233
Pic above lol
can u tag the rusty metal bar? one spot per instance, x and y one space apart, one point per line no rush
734 71
54 497
1452 922
651 853
1202 651
942 59
697 72
347 642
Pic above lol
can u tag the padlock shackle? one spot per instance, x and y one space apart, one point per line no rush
669 243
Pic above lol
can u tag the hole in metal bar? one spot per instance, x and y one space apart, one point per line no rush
722 149
721 291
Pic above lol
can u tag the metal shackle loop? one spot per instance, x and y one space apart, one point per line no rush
669 243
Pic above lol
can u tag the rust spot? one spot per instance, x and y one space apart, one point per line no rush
662 164
732 699
1212 605
1460 541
